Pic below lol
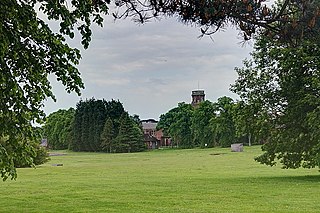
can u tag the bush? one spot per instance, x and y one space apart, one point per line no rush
42 156
38 155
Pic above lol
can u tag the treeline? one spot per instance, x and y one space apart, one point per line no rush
209 124
95 125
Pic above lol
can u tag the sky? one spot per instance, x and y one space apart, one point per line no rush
152 67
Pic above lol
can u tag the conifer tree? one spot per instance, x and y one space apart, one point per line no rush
130 137
107 136
90 120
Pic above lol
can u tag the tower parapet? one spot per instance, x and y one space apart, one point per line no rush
198 96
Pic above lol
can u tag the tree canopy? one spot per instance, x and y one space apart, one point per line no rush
90 121
29 52
283 83
177 124
129 137
58 128
203 135
223 124
290 20
206 125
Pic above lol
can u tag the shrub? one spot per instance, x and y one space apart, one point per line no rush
38 155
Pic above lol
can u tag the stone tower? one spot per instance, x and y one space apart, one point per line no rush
198 96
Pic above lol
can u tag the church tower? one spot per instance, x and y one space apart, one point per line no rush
198 96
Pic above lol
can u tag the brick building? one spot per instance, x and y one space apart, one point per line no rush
154 138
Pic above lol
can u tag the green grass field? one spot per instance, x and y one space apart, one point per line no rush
197 180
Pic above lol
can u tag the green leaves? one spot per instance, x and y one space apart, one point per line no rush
282 82
202 132
58 128
177 123
289 21
207 125
223 123
29 52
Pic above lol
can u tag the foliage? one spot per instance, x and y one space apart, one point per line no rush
207 125
101 125
251 123
39 156
90 119
223 124
58 128
95 125
177 124
283 81
35 154
202 133
29 52
291 20
107 136
130 137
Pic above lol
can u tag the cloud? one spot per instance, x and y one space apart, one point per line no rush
103 82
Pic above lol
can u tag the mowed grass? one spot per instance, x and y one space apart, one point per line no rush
195 180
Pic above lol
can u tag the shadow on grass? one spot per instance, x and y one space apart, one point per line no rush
292 179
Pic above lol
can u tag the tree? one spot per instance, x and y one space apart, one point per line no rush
58 128
90 118
130 137
114 110
107 136
201 131
223 124
284 82
289 21
251 123
96 125
29 52
177 124
35 154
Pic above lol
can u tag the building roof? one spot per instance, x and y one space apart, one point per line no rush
150 120
149 125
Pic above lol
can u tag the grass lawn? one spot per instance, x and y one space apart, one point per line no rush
195 180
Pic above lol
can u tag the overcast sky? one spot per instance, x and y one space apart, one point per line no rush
151 68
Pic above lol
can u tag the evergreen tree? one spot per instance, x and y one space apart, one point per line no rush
107 136
130 137
91 125
98 116
114 110
90 118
